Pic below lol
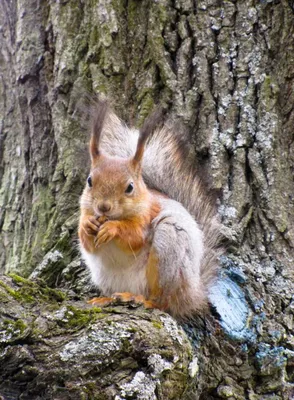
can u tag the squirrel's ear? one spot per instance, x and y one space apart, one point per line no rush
97 123
150 124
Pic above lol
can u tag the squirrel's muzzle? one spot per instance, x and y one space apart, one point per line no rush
104 207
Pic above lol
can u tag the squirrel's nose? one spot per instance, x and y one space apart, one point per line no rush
104 207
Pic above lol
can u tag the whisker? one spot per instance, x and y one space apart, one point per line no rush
132 250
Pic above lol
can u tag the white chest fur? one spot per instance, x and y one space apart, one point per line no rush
113 270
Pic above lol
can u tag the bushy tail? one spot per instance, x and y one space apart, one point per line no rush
167 168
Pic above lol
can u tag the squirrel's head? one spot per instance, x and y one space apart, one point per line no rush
115 186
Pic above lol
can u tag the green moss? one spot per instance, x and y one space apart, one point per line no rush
90 390
12 330
266 88
31 292
42 211
94 37
76 319
13 293
53 294
63 244
33 243
157 324
134 14
162 13
19 279
4 298
132 329
18 325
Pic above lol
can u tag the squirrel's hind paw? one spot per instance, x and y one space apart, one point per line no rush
125 298
101 301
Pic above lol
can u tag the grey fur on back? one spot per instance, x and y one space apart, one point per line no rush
166 169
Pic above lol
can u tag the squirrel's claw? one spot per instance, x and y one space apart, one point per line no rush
126 297
91 226
106 233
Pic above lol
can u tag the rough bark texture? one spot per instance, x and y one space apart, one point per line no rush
54 348
226 69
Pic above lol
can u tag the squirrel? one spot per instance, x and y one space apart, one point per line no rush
147 230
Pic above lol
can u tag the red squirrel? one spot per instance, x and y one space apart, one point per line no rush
140 244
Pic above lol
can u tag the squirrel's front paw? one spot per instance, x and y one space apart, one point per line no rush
91 225
107 232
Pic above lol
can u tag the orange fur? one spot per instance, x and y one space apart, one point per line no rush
124 297
100 301
131 234
152 275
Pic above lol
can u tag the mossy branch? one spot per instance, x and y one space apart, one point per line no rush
51 345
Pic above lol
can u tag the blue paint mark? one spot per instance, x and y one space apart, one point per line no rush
276 335
262 316
233 270
257 321
269 360
229 302
236 275
258 305
244 347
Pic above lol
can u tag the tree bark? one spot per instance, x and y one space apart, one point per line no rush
56 348
225 69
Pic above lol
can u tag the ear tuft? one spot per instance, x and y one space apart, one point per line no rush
99 113
152 122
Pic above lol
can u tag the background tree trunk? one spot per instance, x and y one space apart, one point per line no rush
226 69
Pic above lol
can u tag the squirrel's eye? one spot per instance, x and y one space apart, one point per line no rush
130 188
89 181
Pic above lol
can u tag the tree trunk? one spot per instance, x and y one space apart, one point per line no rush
226 69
